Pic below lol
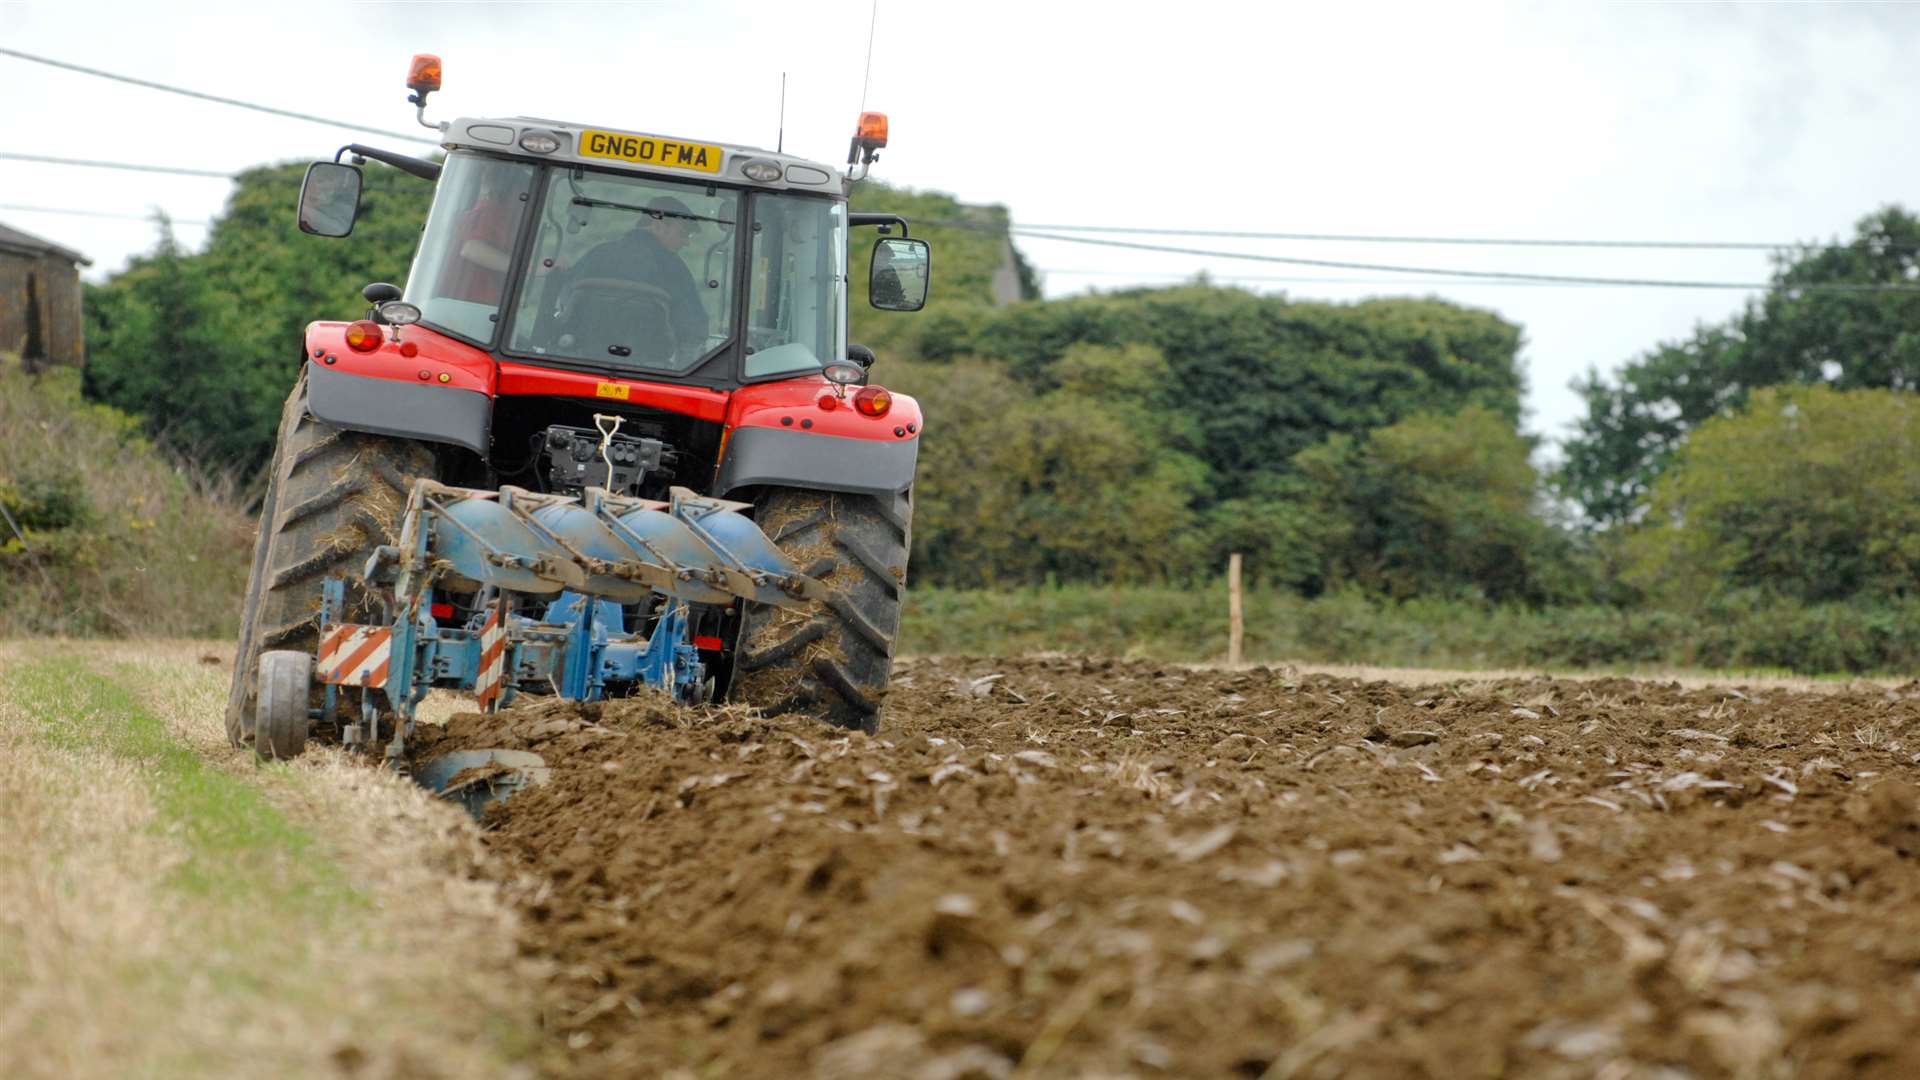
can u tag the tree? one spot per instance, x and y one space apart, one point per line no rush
1636 422
1432 504
204 347
163 340
1016 487
1256 379
1810 494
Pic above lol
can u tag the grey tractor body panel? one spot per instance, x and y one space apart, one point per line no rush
823 462
408 410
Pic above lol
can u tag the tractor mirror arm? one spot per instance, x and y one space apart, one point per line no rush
883 220
413 166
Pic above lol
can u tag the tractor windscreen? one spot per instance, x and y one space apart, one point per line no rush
628 271
460 272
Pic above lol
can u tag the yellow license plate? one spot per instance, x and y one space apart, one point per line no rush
612 390
647 150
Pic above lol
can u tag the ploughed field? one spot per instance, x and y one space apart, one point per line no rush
1063 867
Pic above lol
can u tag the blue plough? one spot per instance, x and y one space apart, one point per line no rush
546 580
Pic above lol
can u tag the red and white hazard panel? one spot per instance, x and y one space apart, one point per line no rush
491 681
352 655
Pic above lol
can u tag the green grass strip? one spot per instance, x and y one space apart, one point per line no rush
239 848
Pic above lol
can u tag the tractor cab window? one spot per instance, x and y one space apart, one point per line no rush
460 271
796 311
628 271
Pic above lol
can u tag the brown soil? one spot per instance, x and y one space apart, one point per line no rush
1068 868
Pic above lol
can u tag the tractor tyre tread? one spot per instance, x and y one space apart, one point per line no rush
834 663
331 496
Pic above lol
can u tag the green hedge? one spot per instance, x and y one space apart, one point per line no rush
1744 632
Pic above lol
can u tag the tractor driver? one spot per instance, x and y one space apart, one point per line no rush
650 255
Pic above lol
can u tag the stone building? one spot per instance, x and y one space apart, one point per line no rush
40 300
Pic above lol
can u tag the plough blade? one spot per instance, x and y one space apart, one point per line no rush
478 778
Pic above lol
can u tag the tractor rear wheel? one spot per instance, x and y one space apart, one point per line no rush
333 495
834 662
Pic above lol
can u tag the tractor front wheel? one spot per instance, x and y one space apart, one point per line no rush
332 497
833 662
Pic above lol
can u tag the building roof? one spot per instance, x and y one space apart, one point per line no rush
25 243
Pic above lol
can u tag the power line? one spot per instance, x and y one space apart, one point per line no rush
1378 238
290 114
1038 231
90 164
1293 279
1477 275
22 208
1465 241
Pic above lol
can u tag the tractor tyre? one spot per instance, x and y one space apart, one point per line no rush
332 496
280 717
833 662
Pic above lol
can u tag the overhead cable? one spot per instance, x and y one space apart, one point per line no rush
1290 279
1382 238
1485 275
978 226
129 166
1464 241
237 103
25 209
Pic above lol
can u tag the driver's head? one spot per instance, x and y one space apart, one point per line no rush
669 221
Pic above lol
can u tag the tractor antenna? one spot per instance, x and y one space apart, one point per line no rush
780 140
873 17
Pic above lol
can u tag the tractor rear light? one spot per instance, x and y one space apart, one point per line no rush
828 403
424 73
441 611
873 401
363 335
710 644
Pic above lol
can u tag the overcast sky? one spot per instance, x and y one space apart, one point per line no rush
1624 121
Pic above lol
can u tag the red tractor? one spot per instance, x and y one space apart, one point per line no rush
593 310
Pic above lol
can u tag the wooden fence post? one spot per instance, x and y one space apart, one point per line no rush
1235 624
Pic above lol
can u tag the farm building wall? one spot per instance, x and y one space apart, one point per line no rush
48 280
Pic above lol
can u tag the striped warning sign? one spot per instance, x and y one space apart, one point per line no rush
493 661
352 655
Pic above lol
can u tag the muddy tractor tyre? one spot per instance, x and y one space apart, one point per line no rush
833 662
333 495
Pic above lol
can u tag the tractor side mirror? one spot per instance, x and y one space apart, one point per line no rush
329 199
897 279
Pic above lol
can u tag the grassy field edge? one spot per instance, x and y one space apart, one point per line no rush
173 909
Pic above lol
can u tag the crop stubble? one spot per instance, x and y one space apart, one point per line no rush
1063 866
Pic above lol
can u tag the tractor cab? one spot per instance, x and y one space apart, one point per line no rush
591 248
